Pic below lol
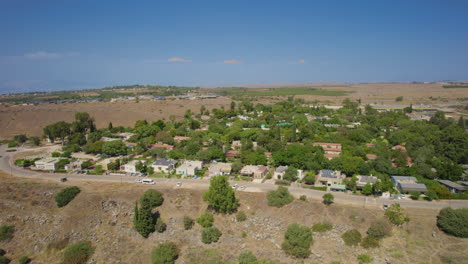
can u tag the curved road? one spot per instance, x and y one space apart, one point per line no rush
6 164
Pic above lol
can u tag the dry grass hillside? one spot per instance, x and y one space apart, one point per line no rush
102 213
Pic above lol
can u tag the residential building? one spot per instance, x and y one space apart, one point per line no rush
180 138
219 168
236 144
108 139
332 150
165 146
164 165
279 172
363 180
130 167
371 156
232 154
256 171
337 187
408 184
47 163
189 167
125 135
329 177
453 187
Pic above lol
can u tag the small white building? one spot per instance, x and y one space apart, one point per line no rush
219 168
189 167
46 163
279 172
256 171
164 165
130 167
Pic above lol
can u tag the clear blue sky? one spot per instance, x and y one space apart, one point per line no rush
70 44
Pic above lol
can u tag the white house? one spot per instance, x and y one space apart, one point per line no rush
279 172
189 167
164 165
258 171
219 168
329 177
46 163
131 166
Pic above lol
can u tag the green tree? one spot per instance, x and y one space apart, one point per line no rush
36 141
379 229
367 189
328 198
453 221
279 197
114 148
165 253
352 237
152 197
297 241
290 174
145 223
206 219
396 215
210 235
188 223
415 195
110 126
220 196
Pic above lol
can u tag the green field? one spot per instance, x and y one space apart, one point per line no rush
285 91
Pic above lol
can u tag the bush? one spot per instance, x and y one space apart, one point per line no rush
322 227
12 144
153 198
160 225
364 258
206 219
6 232
66 196
4 260
241 216
220 195
24 260
414 195
303 198
328 198
247 258
379 229
309 179
399 99
78 253
188 223
2 252
351 237
297 241
210 235
431 195
279 197
369 242
453 221
396 215
165 253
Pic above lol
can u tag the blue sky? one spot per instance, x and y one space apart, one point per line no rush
74 44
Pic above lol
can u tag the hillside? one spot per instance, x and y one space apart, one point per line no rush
102 214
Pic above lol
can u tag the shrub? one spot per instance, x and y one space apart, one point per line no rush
78 253
4 260
297 241
210 235
165 253
66 196
279 197
2 252
188 223
322 227
379 229
399 99
24 260
364 258
12 144
153 198
6 232
396 215
220 195
328 198
415 195
309 179
241 216
160 225
351 237
453 221
431 195
244 234
247 258
303 198
369 242
206 219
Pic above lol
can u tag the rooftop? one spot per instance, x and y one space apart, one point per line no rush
452 184
164 162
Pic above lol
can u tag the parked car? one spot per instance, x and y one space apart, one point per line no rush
138 181
385 206
178 184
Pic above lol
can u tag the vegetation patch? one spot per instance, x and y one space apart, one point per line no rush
241 216
206 219
210 235
352 237
165 253
279 197
297 241
6 232
322 227
66 195
454 221
188 223
379 229
78 253
220 196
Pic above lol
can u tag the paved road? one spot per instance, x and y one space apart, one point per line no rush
6 164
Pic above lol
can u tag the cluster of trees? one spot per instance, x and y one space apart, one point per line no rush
145 221
453 221
66 195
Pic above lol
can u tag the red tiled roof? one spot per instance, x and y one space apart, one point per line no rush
326 144
166 146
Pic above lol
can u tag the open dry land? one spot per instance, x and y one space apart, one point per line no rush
30 119
103 213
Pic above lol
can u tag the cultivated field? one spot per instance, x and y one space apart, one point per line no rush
102 214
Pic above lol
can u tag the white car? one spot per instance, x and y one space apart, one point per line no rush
178 184
235 186
138 181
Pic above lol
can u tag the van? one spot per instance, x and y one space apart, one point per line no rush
147 181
